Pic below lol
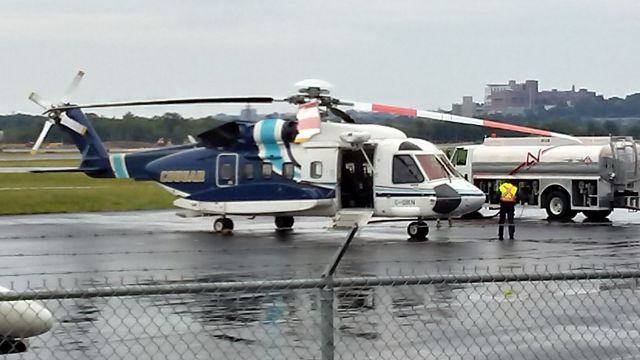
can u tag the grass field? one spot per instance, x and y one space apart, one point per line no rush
74 192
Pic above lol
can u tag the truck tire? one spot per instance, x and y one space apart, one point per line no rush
558 206
596 215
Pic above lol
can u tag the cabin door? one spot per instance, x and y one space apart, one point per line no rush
227 170
356 178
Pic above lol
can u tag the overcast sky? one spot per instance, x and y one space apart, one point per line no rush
415 53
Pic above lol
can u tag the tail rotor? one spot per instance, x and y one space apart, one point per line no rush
57 116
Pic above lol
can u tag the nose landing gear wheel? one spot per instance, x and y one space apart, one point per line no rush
223 225
418 231
284 223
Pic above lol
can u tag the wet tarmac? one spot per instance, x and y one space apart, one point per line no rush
75 250
151 244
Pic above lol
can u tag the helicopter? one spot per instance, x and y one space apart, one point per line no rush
288 168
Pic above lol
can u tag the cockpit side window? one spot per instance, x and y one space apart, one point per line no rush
432 167
405 170
460 157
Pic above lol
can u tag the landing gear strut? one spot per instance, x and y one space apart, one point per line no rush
223 224
418 230
284 223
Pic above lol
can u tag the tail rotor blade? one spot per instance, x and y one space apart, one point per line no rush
43 134
72 124
40 101
432 115
73 86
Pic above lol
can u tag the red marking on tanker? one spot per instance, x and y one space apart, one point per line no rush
529 161
532 159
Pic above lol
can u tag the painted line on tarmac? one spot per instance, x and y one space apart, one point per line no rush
53 188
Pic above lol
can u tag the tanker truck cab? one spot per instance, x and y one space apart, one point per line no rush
562 176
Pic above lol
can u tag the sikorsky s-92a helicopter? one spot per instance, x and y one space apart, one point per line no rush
286 168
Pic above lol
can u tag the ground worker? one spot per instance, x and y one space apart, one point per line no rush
508 198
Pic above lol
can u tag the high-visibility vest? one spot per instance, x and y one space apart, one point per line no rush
508 192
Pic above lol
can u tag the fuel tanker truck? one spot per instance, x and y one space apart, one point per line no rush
563 176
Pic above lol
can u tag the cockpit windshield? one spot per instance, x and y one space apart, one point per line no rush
443 159
432 167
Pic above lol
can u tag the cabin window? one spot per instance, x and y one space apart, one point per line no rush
316 169
405 170
287 170
461 156
432 167
226 172
247 171
267 168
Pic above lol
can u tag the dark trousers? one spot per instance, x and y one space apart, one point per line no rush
507 209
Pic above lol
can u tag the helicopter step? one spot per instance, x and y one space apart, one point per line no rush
347 218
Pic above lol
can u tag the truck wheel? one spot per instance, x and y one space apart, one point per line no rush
596 215
558 207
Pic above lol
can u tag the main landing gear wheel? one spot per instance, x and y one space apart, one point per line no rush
284 223
418 230
223 225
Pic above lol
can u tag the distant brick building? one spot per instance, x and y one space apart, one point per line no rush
467 108
516 98
510 98
568 98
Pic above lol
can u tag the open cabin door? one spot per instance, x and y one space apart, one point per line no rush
356 178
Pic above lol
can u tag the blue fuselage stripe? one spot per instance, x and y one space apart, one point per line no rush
119 166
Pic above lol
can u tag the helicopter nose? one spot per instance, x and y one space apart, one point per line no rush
458 198
447 199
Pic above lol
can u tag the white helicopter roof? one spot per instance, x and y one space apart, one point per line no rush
331 132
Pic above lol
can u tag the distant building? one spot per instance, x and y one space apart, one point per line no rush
467 108
510 98
249 114
564 98
516 98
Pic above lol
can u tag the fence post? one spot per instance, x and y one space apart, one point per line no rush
326 298
326 319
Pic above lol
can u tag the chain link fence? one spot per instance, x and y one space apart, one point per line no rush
527 314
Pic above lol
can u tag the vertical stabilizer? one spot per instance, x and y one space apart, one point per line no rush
95 158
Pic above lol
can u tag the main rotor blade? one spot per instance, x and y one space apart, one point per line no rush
187 101
73 86
40 101
456 119
342 115
43 134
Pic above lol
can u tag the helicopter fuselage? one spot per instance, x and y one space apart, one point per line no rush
262 173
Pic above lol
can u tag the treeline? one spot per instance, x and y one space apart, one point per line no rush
130 128
590 117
